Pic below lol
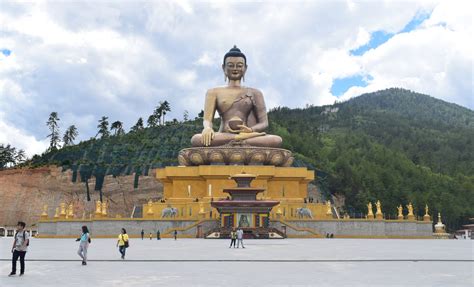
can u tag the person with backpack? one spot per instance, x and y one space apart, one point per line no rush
233 238
19 248
122 242
85 239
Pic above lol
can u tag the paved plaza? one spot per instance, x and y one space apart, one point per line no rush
289 262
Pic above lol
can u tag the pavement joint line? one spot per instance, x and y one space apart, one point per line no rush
246 260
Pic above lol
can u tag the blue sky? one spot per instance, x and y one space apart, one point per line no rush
85 60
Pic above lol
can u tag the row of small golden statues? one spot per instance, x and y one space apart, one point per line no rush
65 211
410 215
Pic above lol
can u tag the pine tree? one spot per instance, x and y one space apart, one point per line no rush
138 126
165 107
152 121
117 127
186 116
53 126
70 135
103 127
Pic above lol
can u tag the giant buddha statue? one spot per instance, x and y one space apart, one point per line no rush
241 138
241 109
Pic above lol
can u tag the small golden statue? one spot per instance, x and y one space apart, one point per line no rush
150 208
370 213
44 215
70 212
427 216
98 208
328 208
400 212
410 215
104 209
378 213
63 210
279 212
201 207
56 214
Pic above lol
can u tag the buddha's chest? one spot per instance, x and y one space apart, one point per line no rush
236 101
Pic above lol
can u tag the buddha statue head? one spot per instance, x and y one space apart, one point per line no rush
234 64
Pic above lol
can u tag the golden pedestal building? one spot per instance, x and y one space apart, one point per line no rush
191 189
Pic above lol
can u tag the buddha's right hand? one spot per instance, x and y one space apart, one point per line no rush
207 136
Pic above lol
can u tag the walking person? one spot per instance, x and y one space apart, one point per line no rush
84 241
233 237
122 242
19 248
151 236
175 235
240 237
158 235
143 233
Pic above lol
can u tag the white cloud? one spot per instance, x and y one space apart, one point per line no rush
434 59
20 140
89 59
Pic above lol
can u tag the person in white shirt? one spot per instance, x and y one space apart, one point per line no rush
19 248
240 237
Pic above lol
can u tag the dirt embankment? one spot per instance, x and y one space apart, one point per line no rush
23 192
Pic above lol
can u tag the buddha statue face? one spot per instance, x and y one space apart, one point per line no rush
234 68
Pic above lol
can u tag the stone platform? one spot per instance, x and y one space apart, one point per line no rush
341 228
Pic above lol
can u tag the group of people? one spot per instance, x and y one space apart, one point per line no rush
22 241
158 235
237 236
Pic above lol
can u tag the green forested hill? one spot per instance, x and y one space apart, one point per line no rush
394 146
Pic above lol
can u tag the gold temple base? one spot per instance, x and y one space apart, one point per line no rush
192 189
